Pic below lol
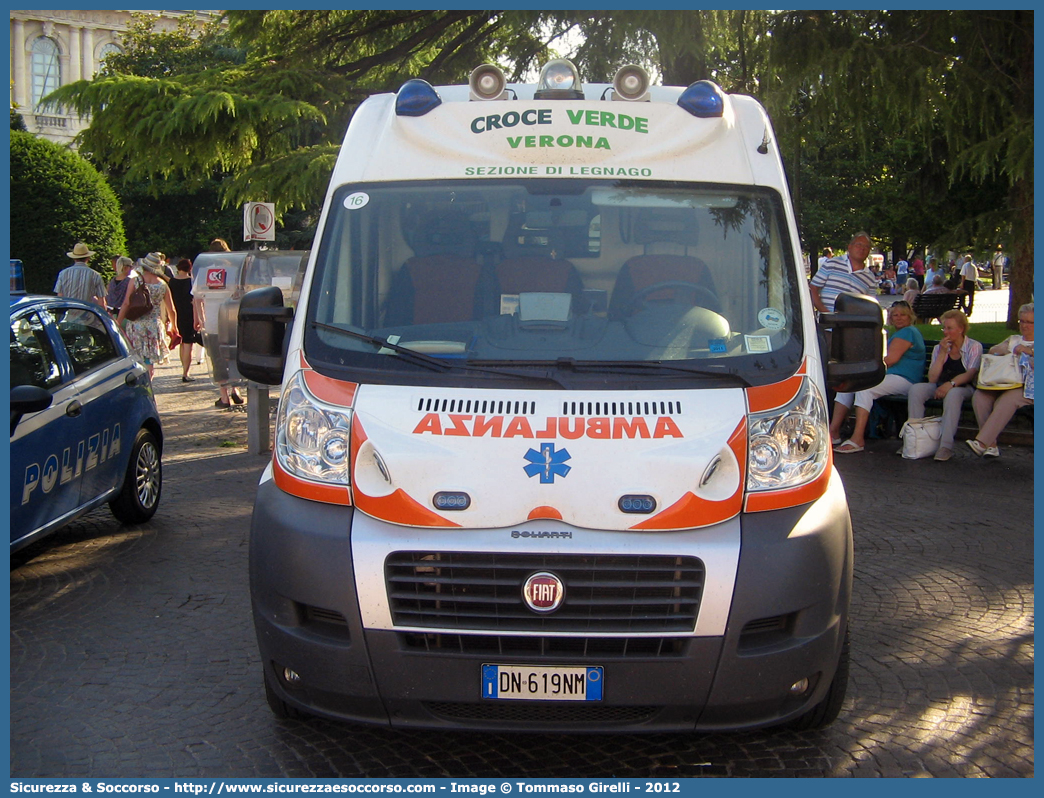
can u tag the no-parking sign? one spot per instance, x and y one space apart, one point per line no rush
259 221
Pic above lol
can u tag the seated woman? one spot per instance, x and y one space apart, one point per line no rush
905 362
887 284
912 290
994 409
951 377
938 286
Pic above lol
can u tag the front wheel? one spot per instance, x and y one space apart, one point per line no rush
139 497
826 711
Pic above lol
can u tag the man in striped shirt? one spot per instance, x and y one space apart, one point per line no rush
846 273
80 281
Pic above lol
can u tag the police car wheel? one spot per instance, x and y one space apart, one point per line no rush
140 495
826 711
279 707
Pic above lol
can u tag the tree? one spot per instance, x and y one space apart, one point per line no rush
57 199
680 47
960 78
179 219
275 121
911 99
177 215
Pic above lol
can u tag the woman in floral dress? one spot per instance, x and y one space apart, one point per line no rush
146 334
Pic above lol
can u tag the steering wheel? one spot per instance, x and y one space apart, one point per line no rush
711 300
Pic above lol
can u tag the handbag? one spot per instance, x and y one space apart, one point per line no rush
140 302
921 437
1000 373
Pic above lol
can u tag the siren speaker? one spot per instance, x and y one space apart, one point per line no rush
487 82
631 84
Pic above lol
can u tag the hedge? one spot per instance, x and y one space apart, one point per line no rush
57 199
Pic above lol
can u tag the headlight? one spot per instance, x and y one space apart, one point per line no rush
313 439
789 445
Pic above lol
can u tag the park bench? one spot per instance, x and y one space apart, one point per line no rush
889 413
932 306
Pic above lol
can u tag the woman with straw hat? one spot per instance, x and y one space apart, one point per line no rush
146 334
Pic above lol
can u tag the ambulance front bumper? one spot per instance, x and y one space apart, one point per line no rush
772 613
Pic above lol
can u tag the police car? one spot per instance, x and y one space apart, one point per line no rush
84 424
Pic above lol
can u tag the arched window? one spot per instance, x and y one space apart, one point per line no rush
46 70
106 51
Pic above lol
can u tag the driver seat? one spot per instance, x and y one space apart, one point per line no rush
667 234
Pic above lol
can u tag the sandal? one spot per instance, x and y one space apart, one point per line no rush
236 398
848 447
221 404
186 378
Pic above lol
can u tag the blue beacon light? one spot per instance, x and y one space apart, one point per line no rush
703 99
415 98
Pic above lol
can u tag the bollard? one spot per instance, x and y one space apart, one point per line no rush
259 434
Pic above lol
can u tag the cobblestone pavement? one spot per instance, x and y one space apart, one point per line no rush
133 654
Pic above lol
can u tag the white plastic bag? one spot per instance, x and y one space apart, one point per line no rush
921 437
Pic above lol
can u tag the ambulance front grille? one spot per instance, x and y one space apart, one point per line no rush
539 646
611 594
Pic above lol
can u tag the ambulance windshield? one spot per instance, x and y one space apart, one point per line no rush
558 274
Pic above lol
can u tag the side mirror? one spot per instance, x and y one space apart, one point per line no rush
261 329
27 399
854 343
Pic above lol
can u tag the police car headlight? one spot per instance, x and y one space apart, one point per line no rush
312 439
789 446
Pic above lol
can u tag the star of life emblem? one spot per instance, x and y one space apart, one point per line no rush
548 463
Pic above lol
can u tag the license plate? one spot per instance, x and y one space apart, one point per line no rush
530 683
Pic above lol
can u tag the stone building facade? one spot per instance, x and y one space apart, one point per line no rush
52 48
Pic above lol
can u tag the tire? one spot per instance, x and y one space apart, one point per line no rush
140 495
279 707
826 711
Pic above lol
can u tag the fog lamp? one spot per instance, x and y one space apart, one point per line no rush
799 687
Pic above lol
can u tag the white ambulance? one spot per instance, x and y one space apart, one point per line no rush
552 447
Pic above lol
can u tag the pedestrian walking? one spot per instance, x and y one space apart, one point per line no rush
117 291
189 322
80 281
969 278
146 333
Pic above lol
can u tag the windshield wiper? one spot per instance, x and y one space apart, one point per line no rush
613 365
592 366
433 363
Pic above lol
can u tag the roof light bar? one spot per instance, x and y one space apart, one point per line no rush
559 80
703 99
415 98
